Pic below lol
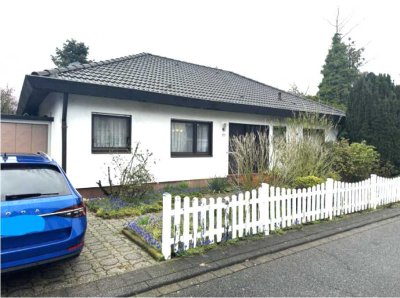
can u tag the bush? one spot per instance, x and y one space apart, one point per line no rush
306 182
133 176
300 158
354 162
218 184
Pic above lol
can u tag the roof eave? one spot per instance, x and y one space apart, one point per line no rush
43 85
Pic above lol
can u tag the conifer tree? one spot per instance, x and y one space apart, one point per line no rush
373 115
339 71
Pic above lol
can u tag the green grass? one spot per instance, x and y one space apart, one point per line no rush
105 208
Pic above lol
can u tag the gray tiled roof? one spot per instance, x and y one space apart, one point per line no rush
147 72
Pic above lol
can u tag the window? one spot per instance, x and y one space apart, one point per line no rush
191 138
111 133
316 134
20 181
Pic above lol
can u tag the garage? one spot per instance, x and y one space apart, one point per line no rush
25 134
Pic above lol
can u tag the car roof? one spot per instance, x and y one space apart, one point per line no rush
38 158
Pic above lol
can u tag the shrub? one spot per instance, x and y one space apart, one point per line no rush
306 182
354 162
385 169
300 158
218 184
133 175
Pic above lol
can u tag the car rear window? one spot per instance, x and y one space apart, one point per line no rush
24 181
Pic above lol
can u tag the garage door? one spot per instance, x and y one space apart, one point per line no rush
24 137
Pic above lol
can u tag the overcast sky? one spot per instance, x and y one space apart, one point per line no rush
275 42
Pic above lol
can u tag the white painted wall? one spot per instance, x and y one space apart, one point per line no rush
52 107
151 126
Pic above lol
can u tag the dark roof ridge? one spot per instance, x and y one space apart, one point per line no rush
71 67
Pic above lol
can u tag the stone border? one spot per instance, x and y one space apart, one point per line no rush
154 253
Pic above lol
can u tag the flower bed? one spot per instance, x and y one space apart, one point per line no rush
111 207
146 231
149 227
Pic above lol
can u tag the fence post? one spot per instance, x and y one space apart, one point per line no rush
166 226
374 193
329 197
264 207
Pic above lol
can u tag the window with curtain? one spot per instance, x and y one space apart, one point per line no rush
191 138
111 133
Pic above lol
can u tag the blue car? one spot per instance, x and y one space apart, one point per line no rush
43 218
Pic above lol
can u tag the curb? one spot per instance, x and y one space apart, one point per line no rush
154 253
169 272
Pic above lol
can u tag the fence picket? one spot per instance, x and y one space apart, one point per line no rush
272 208
289 207
283 207
166 231
240 214
195 208
211 220
247 219
186 223
295 214
254 213
234 216
219 229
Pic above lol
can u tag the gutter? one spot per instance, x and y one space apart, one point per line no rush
64 132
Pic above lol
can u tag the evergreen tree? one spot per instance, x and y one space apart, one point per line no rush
340 71
373 115
72 51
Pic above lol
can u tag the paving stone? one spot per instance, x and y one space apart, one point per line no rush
132 256
152 293
101 254
169 289
108 262
223 272
206 277
82 267
51 274
237 267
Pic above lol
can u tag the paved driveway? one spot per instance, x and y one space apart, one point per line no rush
107 252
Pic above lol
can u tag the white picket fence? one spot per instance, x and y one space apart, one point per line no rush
190 222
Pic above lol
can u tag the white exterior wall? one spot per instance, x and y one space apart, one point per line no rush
151 126
52 107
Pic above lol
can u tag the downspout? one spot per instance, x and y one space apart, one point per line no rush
64 132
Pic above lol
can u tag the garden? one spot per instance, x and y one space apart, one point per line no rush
293 162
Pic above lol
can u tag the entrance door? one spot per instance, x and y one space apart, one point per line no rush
240 129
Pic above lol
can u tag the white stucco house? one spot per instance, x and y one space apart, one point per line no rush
182 112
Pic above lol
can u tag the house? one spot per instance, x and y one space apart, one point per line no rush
183 113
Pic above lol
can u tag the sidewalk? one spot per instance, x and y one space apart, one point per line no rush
177 270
